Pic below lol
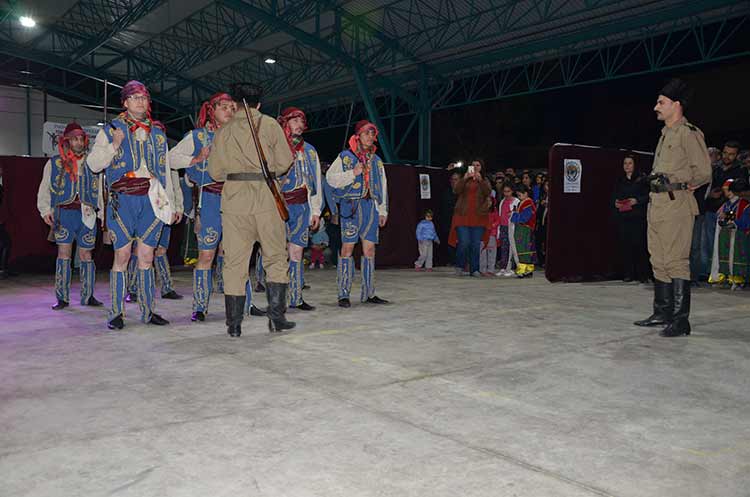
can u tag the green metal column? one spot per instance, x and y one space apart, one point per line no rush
28 120
425 119
372 111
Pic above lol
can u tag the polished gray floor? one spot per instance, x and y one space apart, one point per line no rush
461 387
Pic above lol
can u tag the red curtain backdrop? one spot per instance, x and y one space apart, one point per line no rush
398 240
582 240
32 252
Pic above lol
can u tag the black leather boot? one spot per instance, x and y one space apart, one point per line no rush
257 311
680 324
276 293
663 305
235 308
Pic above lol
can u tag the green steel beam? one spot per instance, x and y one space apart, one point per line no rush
317 43
14 50
372 111
131 14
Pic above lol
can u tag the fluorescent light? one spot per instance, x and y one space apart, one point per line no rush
27 22
25 72
270 60
100 123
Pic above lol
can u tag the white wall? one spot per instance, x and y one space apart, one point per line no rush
13 139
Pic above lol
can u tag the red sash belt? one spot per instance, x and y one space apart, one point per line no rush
74 205
214 187
298 196
131 186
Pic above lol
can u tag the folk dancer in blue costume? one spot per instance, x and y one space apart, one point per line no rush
359 184
68 200
161 262
302 190
191 154
132 150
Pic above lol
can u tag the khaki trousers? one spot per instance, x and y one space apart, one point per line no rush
240 234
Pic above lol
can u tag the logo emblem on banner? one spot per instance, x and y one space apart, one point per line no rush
425 192
573 171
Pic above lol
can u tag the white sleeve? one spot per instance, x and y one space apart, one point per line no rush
337 177
102 153
316 201
181 155
177 188
43 196
383 206
100 200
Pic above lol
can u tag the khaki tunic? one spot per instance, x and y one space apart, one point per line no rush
682 156
248 210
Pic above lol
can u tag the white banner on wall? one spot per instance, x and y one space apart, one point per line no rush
425 193
53 131
572 172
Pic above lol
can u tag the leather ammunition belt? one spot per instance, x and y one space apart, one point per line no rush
131 186
298 196
245 177
214 187
671 187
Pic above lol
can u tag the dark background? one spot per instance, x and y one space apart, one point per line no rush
519 131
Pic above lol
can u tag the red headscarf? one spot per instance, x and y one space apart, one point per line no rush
206 117
359 128
133 88
287 115
68 157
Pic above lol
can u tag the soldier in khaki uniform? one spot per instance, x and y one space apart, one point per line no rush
248 209
681 165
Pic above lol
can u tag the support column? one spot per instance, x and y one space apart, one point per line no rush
372 111
425 119
28 120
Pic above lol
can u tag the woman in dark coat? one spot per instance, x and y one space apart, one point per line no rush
630 201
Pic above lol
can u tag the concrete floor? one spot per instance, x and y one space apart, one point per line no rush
462 387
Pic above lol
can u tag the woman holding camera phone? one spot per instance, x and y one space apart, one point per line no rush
470 217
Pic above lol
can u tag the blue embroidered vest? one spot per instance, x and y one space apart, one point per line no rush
355 190
128 157
63 190
198 172
303 172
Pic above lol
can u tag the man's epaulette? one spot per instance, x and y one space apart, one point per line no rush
691 127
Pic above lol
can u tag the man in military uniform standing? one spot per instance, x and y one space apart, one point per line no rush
681 165
248 208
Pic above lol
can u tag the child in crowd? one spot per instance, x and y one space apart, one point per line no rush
318 243
732 238
505 209
488 249
426 235
522 226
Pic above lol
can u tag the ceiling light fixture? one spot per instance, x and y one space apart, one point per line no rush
27 22
270 60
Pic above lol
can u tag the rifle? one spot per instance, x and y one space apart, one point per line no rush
270 180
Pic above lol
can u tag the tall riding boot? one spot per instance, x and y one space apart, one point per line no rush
276 293
663 304
235 307
680 324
